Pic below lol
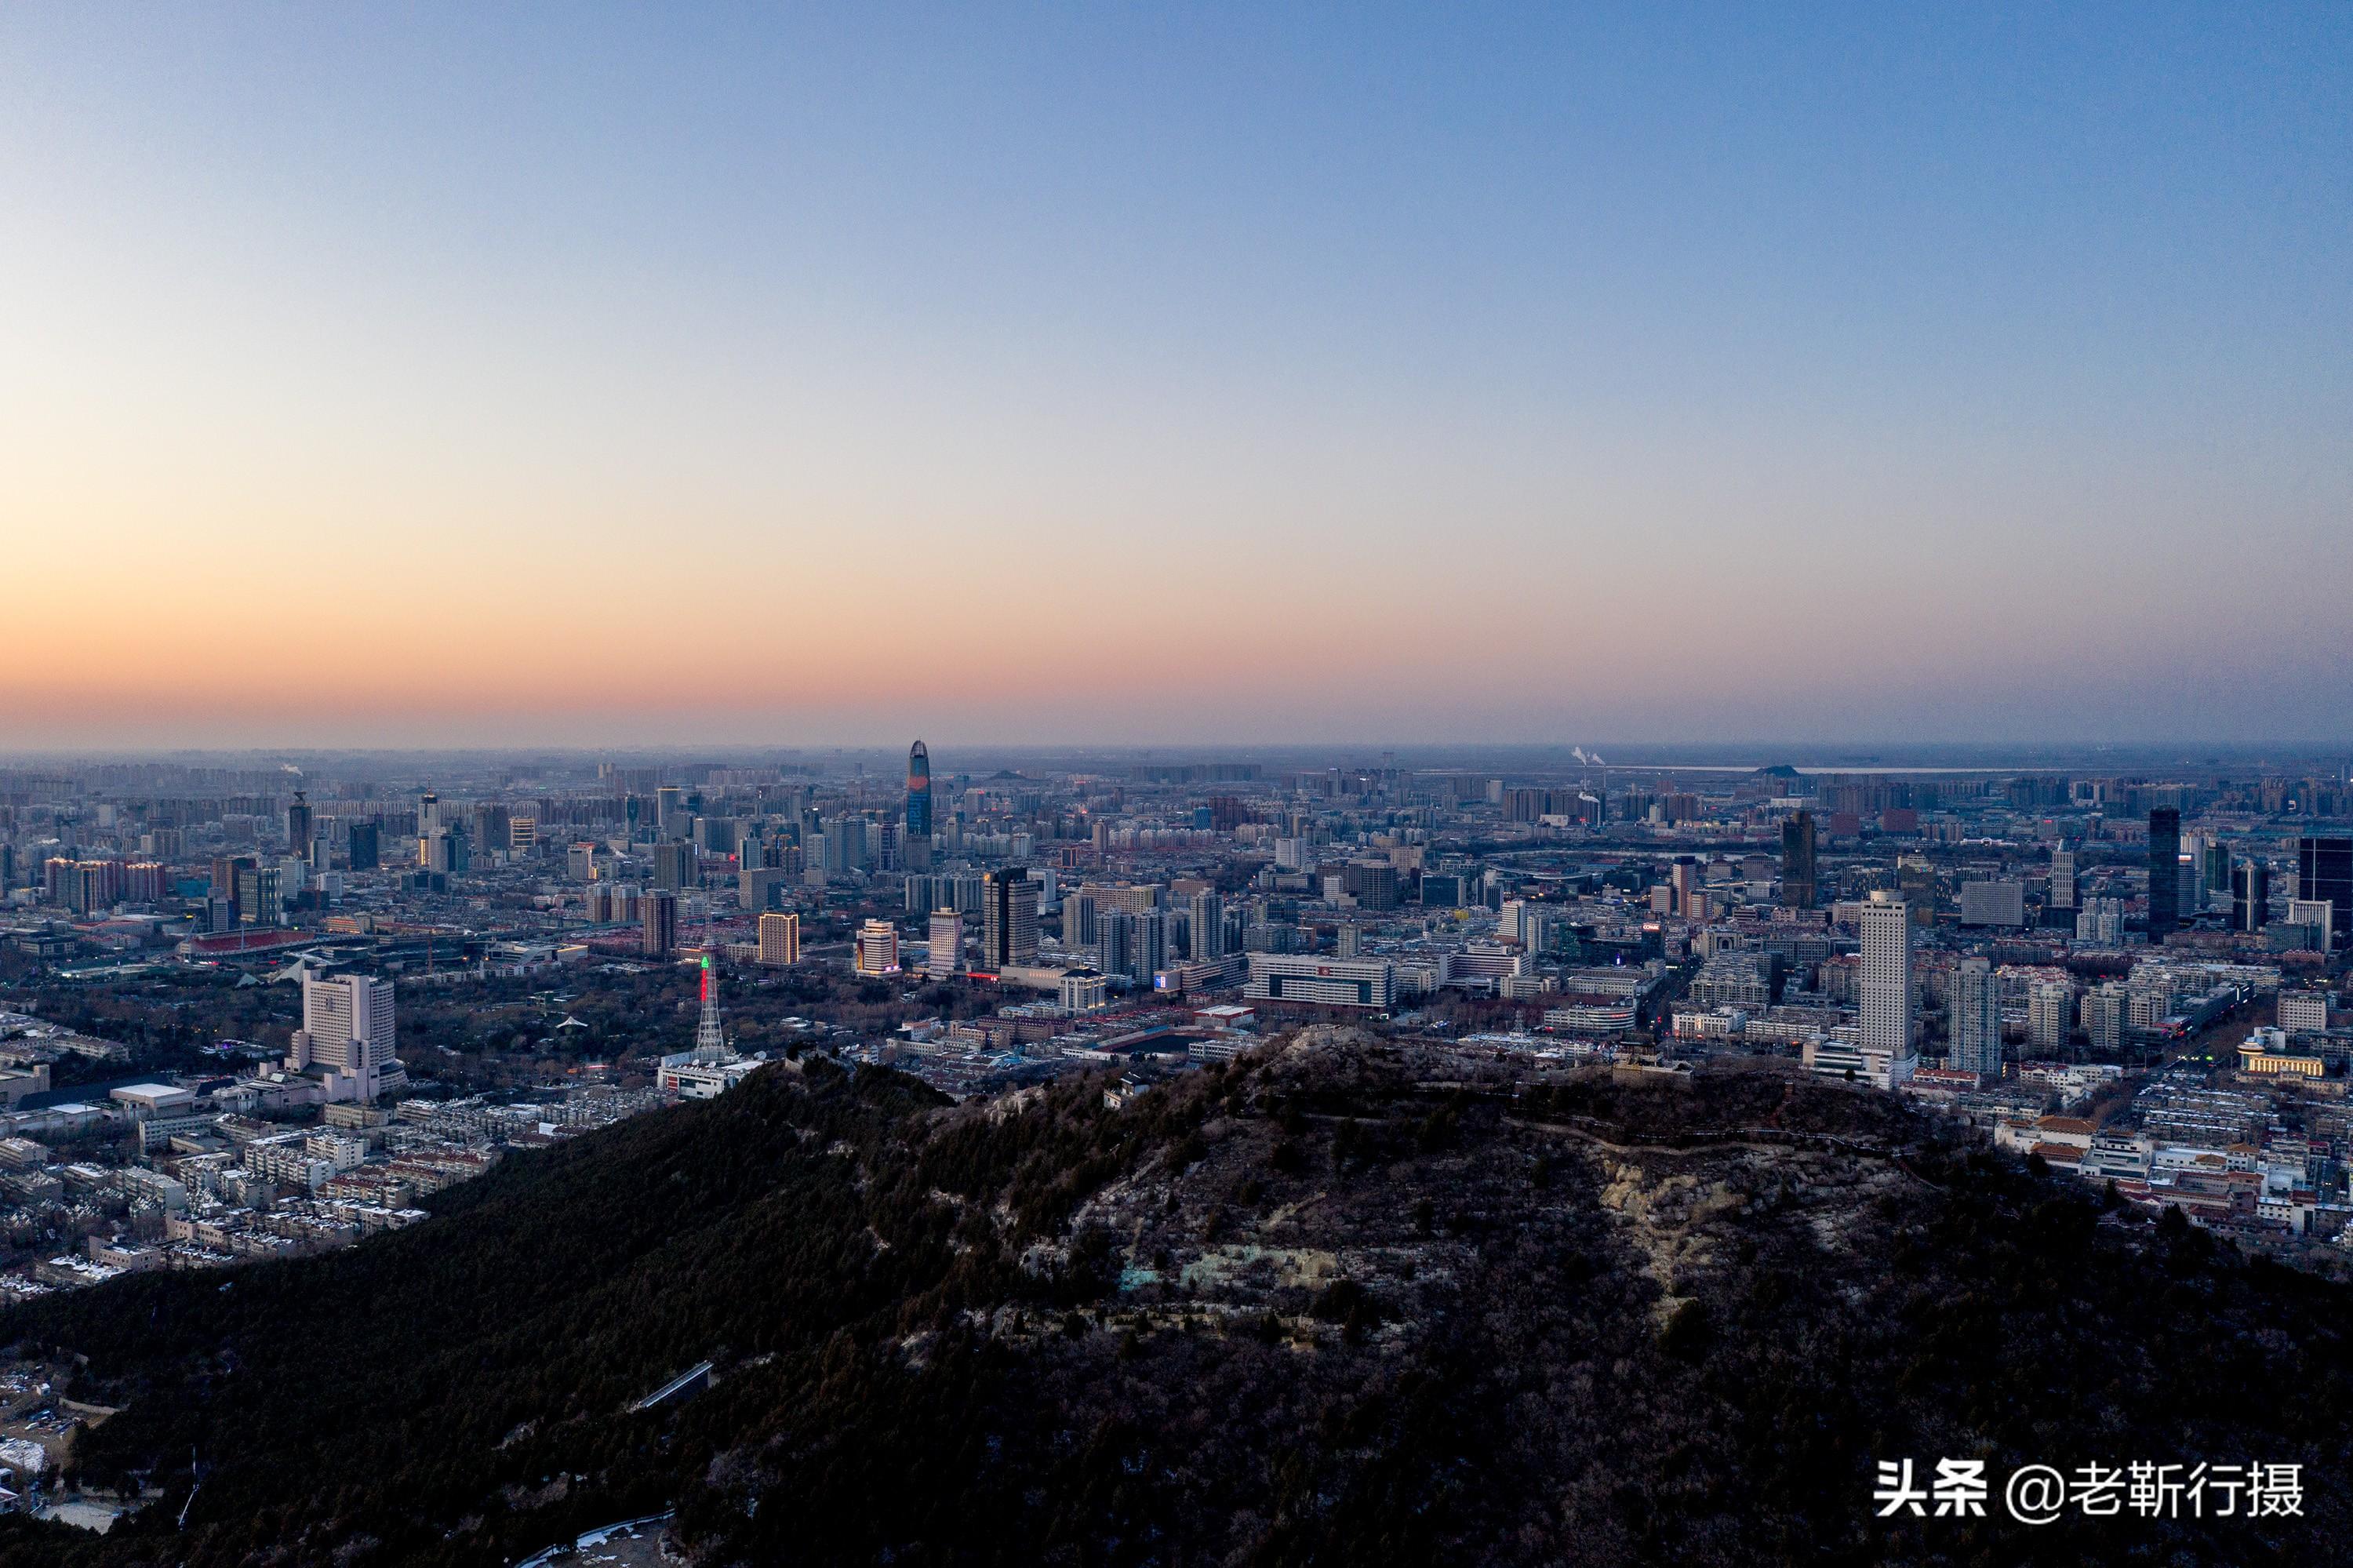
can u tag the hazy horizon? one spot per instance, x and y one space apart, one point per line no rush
451 375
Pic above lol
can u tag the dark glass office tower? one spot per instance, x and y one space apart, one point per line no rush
1798 889
2164 872
915 839
2324 869
2250 895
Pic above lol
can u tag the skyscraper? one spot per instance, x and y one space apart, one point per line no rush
2324 874
298 826
1976 1019
1008 919
363 846
674 866
1886 984
2164 872
660 938
2250 895
1798 890
2063 879
947 944
916 849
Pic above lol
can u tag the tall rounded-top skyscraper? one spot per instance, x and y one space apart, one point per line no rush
916 840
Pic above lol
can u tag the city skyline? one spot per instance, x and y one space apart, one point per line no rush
549 377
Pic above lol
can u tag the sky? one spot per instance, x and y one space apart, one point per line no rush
445 374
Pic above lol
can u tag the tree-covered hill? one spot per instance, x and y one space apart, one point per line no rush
1346 1301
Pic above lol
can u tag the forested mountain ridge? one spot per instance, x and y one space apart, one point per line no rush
1347 1300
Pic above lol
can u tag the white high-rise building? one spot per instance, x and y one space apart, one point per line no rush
348 1029
875 949
2063 879
947 944
1976 1019
1886 985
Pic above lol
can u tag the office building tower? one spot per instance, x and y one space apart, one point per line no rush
2324 873
2063 879
1683 879
1008 919
2164 872
1993 904
444 850
780 940
2048 1007
298 826
2250 895
258 901
2215 870
1798 890
674 866
523 835
429 816
661 937
348 1029
1885 1014
1080 928
2316 916
947 944
916 844
876 949
1976 1019
670 813
363 846
224 870
1208 920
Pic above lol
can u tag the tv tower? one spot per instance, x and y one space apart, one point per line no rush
710 1044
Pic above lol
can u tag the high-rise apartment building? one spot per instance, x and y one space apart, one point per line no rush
1079 929
2107 1013
1885 994
2164 872
1798 887
661 937
1207 924
780 940
1976 1019
2048 1007
1008 919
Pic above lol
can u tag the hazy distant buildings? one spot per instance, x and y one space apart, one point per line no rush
1798 887
1993 904
2164 872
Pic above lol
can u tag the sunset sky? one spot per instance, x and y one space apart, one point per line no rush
375 374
